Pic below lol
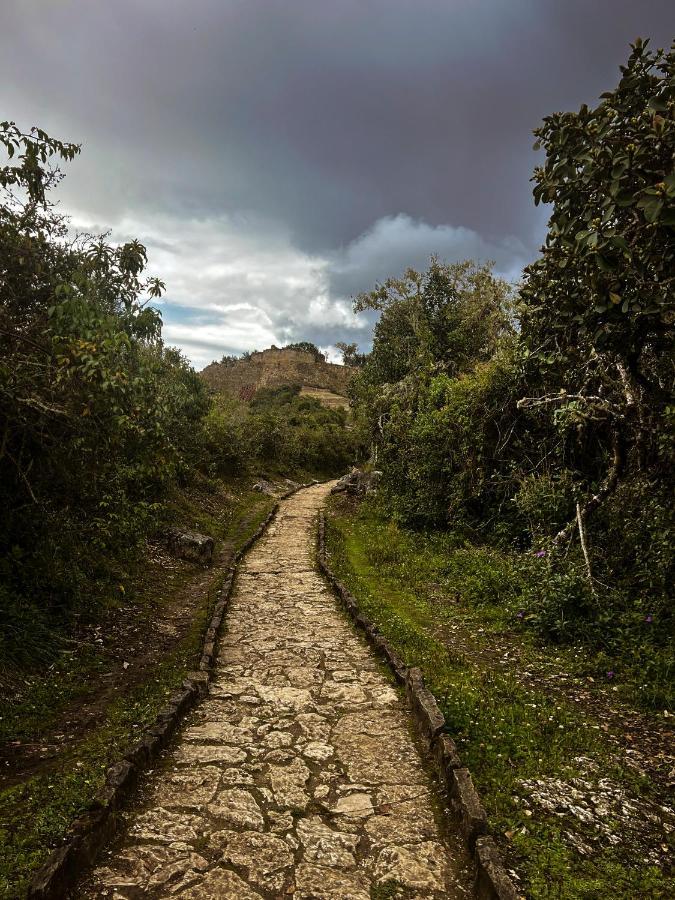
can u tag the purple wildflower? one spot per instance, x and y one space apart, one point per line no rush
520 614
610 674
649 618
540 553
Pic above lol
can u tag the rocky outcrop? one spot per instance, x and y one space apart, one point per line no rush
276 368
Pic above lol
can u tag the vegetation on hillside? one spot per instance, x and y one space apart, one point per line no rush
541 420
278 429
307 347
304 346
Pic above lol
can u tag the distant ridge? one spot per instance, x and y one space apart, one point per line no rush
279 367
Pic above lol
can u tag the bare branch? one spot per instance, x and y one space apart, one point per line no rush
584 547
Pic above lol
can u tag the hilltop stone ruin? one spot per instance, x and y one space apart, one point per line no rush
278 367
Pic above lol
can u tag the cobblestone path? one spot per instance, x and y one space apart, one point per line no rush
298 776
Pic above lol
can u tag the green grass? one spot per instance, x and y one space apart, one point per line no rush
35 814
431 595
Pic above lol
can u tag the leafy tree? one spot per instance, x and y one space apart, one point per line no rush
350 354
597 307
96 415
307 347
447 318
435 327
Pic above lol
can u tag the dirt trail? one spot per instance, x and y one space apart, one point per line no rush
298 776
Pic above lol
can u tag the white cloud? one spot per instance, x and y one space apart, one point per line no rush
238 283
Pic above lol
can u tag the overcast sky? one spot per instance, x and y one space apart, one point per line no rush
279 156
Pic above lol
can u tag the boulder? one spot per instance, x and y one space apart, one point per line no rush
371 481
191 545
265 487
357 483
347 484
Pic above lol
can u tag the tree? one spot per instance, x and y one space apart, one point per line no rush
597 309
446 318
350 354
429 373
95 413
606 274
307 347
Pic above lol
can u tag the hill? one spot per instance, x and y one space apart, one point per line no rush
277 367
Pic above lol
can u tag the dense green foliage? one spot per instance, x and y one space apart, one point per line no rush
597 308
278 429
98 419
307 347
96 415
541 420
350 354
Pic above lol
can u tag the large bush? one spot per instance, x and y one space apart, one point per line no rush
279 429
96 415
547 426
439 444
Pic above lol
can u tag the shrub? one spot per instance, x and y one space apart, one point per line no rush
278 428
545 502
532 425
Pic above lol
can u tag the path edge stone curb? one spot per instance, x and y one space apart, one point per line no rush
89 833
492 881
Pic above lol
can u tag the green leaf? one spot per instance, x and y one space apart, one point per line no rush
607 265
651 208
656 104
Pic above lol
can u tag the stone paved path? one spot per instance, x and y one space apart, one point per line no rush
298 776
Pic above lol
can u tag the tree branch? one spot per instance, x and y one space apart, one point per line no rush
584 547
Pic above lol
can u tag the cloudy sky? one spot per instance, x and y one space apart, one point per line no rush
279 156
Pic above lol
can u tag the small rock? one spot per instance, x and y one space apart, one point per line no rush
359 805
265 487
191 545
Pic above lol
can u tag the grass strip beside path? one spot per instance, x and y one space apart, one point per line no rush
574 817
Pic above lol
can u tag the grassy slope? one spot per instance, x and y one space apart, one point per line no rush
35 813
420 590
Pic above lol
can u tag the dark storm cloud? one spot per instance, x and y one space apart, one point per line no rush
358 134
